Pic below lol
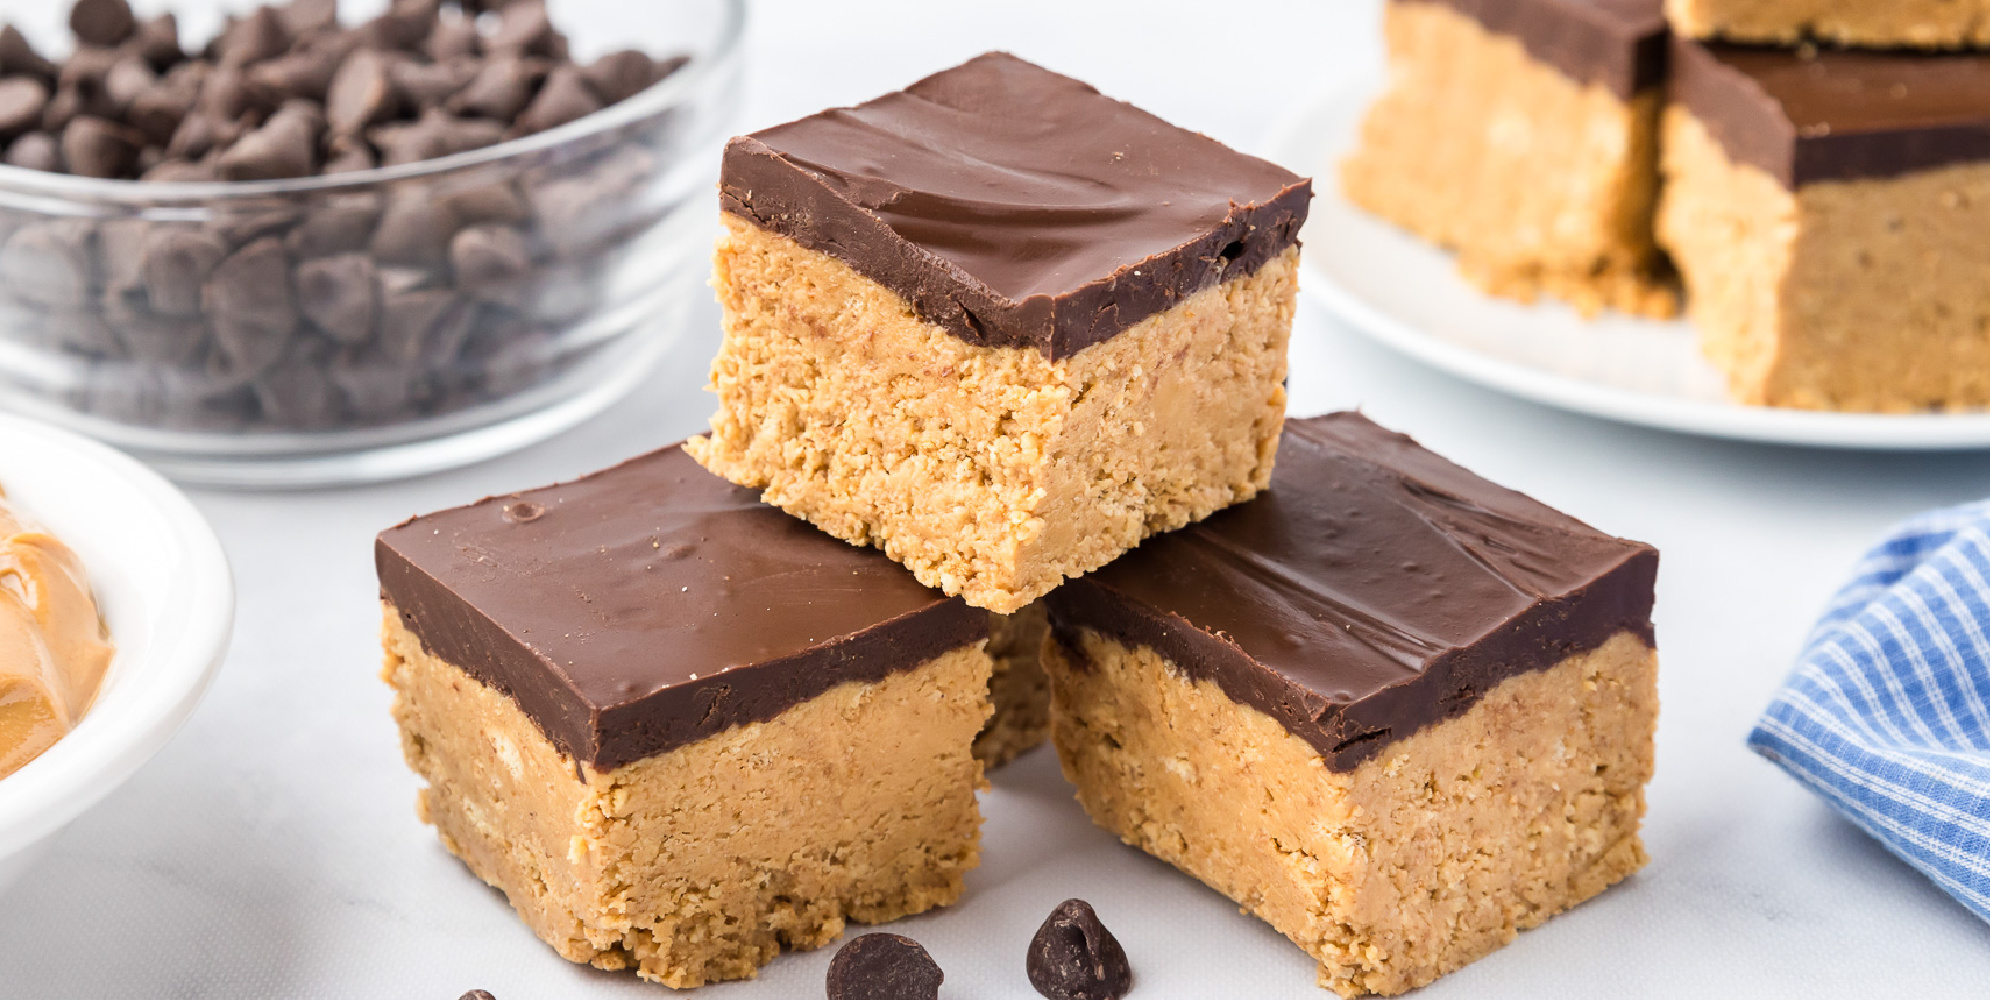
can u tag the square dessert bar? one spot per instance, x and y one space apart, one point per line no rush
1000 326
1828 210
681 729
1396 711
1876 23
1523 135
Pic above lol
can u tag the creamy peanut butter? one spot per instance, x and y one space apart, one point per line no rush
53 648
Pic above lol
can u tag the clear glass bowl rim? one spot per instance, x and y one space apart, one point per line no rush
680 88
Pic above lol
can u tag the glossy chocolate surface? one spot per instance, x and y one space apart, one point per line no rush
1809 115
654 604
1619 44
1375 589
1015 207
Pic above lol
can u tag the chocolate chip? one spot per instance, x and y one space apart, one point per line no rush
340 295
96 147
157 41
199 134
347 153
375 389
302 17
35 151
340 224
101 22
436 133
495 202
491 263
255 36
618 76
306 74
249 302
1074 957
180 172
523 29
176 262
404 25
225 94
157 340
477 994
500 90
128 79
427 84
293 392
883 967
453 38
361 93
158 112
21 101
286 146
565 97
19 58
85 334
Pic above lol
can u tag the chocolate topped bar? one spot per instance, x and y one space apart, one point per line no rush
1375 589
1619 44
1015 207
1808 115
653 604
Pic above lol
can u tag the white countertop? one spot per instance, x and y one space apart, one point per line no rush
272 849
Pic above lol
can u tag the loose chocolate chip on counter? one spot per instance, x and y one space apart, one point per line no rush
1074 957
97 147
22 99
883 967
101 22
340 295
564 97
18 58
477 995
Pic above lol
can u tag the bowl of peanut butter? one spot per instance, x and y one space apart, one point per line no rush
116 605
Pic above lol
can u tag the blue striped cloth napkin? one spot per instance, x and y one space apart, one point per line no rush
1887 715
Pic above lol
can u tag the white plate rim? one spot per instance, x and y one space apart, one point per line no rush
1294 141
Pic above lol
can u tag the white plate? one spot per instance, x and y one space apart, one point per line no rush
1406 294
166 594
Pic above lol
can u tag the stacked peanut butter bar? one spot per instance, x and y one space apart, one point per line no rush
1814 172
1001 394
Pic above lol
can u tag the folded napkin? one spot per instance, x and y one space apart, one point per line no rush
1887 715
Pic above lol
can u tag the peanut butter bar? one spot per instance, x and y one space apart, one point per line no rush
678 728
1396 711
1827 210
1000 326
1523 134
1943 24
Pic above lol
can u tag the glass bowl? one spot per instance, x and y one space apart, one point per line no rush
210 329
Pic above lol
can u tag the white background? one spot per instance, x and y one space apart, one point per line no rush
272 850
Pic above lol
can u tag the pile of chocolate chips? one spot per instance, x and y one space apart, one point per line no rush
290 92
351 307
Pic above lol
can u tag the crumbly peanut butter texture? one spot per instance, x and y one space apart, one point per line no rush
1412 865
1876 23
1543 186
53 647
1842 295
1017 689
701 863
991 473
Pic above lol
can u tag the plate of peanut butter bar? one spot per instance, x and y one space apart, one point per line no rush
1746 243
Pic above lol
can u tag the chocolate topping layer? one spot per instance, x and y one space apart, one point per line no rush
1015 207
1619 44
1375 589
1814 115
654 604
